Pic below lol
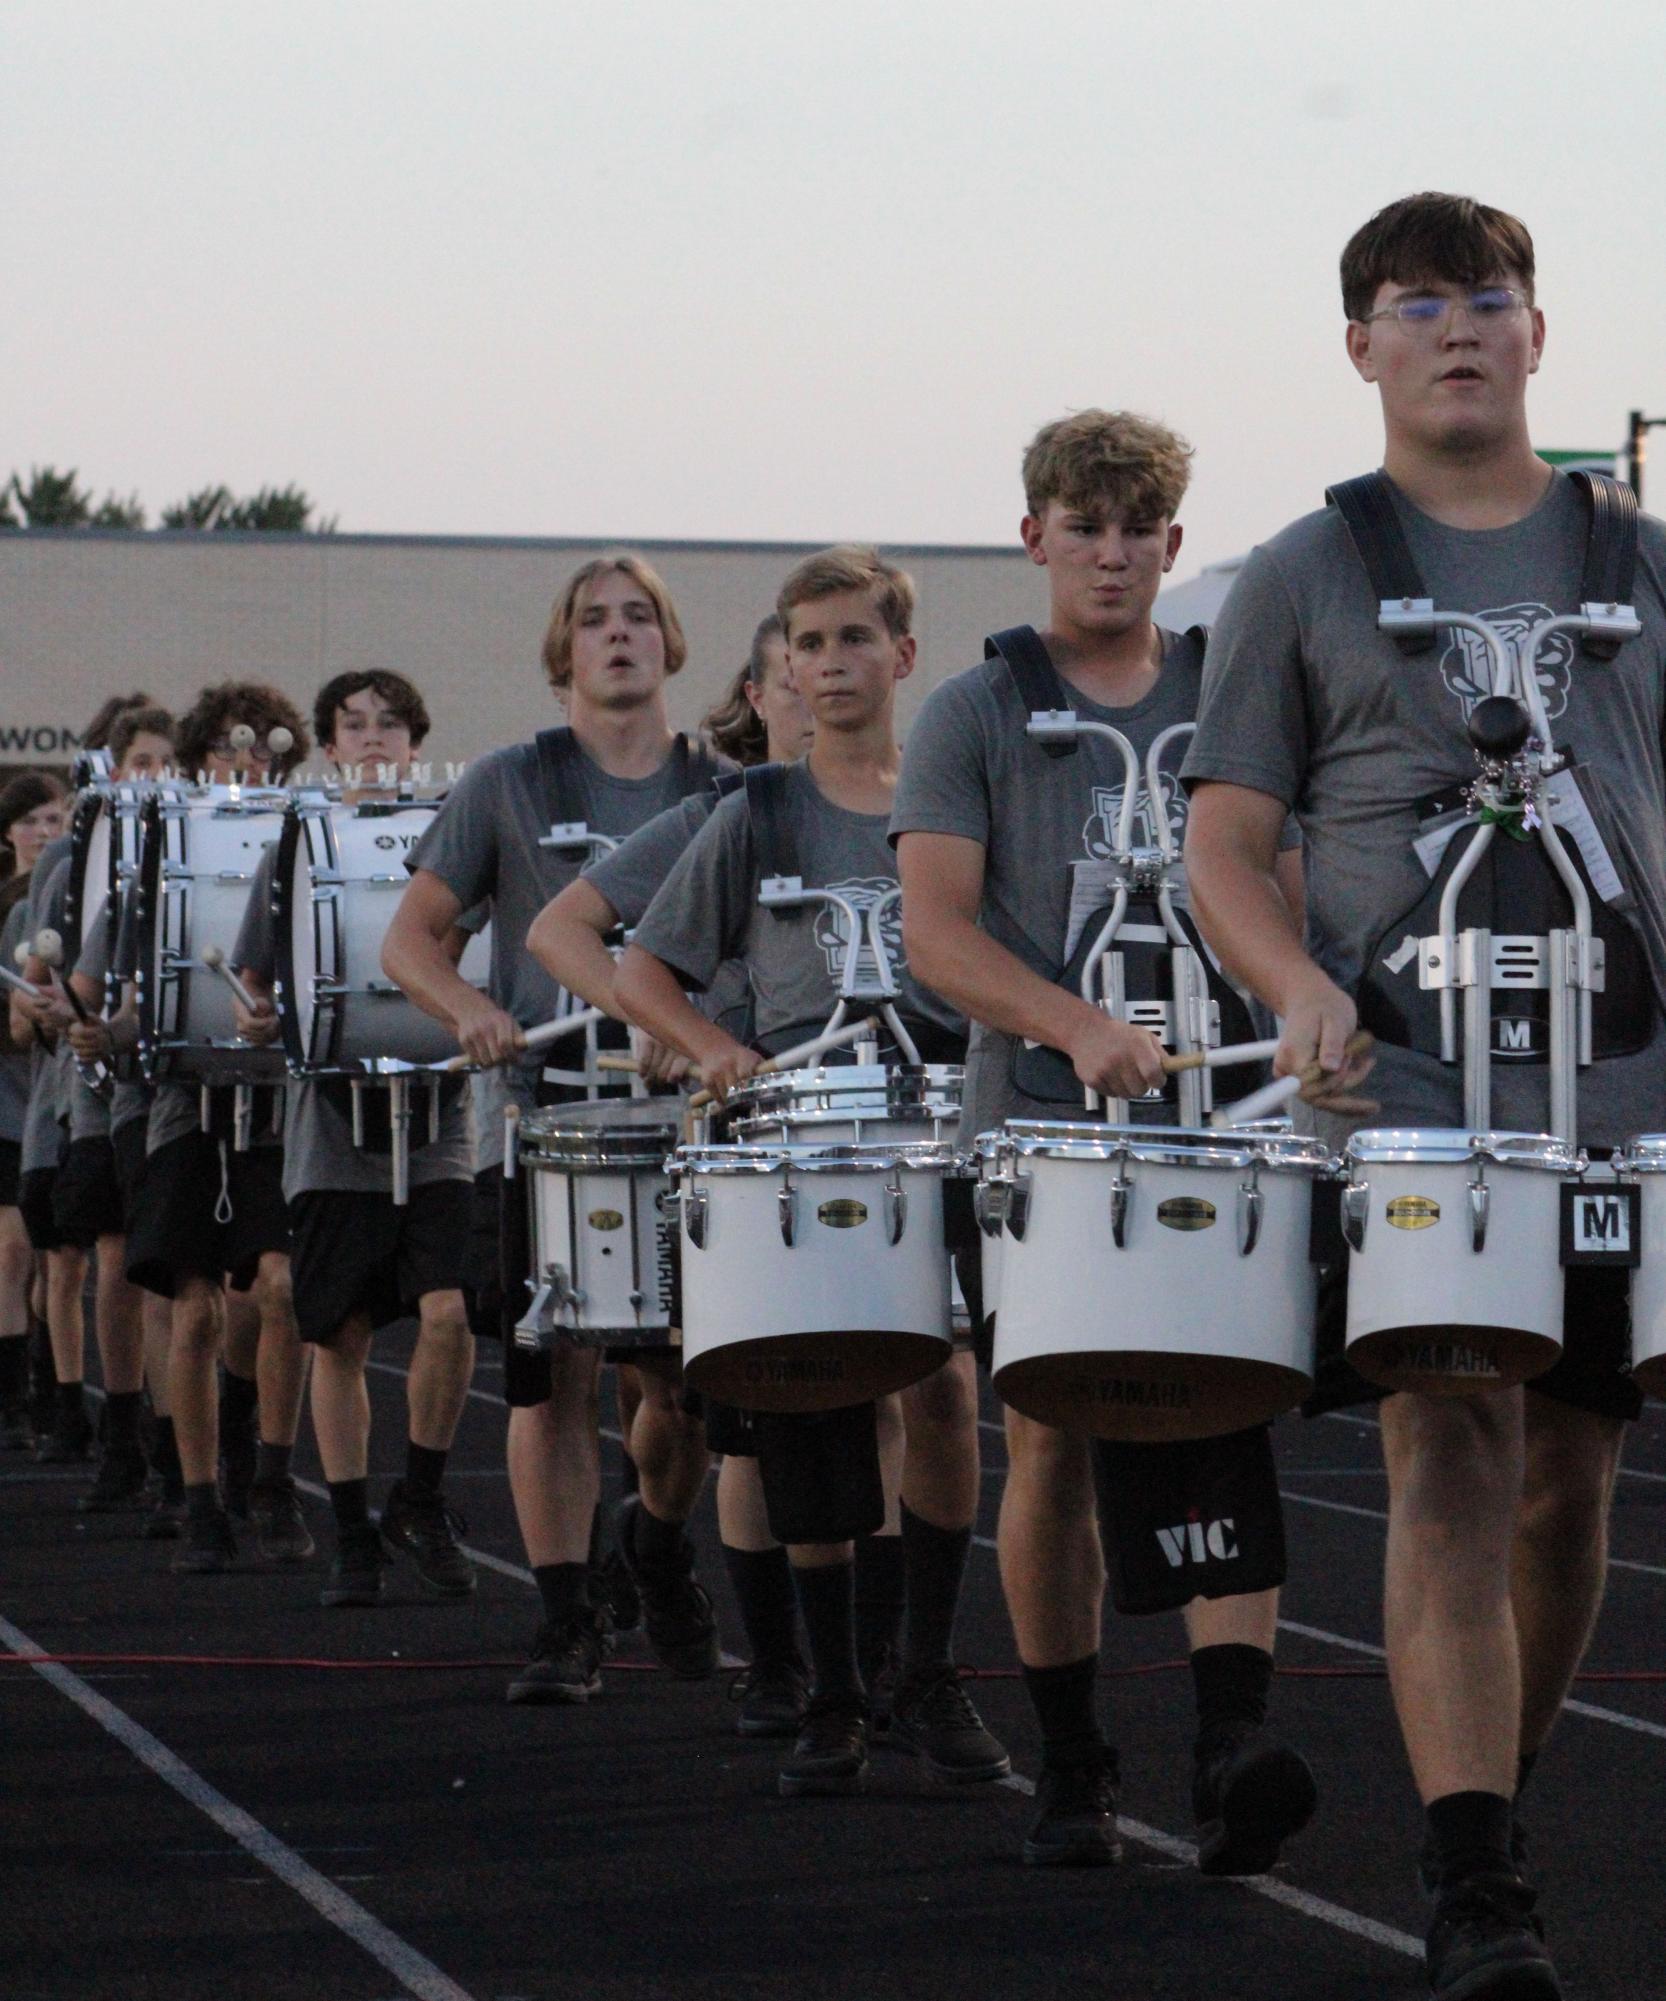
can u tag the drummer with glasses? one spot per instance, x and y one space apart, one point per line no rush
359 1260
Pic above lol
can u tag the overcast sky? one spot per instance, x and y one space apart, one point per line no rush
778 271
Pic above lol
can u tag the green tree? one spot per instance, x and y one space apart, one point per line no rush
202 509
282 510
52 499
114 513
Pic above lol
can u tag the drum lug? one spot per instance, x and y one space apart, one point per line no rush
1018 1205
1122 1190
786 1208
693 1204
1250 1200
1356 1203
896 1211
989 1206
537 1324
1480 1202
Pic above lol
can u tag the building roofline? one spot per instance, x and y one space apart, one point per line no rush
232 538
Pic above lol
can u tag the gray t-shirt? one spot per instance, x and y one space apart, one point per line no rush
708 911
131 1097
14 1063
1304 699
318 1149
630 878
51 1071
488 841
1047 827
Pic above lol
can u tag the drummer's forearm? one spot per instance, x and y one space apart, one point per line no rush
651 998
1241 907
959 960
575 956
420 965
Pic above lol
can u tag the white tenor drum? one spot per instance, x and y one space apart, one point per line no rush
340 874
843 1103
1643 1159
1454 1256
200 848
604 1271
1149 1283
812 1277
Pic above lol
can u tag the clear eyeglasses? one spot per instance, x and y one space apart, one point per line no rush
1427 315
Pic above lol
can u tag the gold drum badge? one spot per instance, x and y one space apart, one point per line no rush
843 1214
1186 1212
1414 1212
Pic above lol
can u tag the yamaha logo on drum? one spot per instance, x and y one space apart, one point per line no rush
1414 1212
605 1219
843 1214
1186 1212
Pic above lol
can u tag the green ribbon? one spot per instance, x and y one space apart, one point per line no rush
1511 820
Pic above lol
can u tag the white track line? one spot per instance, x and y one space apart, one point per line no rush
1377 1515
416 1975
1310 1906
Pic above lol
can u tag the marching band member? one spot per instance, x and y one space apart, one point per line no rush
358 1261
847 617
1498 1501
992 836
613 641
210 1233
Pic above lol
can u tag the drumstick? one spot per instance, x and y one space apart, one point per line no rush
789 1059
627 1064
1263 1103
535 1038
23 986
49 948
1222 1059
215 960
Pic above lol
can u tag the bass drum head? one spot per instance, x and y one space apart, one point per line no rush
89 872
1148 1397
807 1373
295 936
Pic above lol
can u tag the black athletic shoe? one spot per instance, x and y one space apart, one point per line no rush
676 1613
1428 1863
935 1716
122 1475
1075 1823
281 1532
238 1454
209 1545
425 1528
566 1665
613 1587
68 1443
830 1755
356 1568
166 1520
17 1431
771 1696
1486 1944
1250 1794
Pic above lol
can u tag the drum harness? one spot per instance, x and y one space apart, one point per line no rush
1510 733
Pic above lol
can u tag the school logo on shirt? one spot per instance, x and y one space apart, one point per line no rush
833 930
1467 670
1099 834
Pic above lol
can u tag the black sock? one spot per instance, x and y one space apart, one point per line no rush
72 1403
565 1590
763 1587
1232 1684
630 1480
826 1599
934 1563
271 1464
350 1503
1471 1833
881 1592
238 1397
654 1543
424 1470
1524 1770
596 1535
122 1410
14 1370
203 1503
1066 1706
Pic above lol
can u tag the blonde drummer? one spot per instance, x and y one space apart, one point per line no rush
847 616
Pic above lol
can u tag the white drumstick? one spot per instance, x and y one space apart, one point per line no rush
806 1052
536 1038
1259 1104
1223 1059
23 986
215 960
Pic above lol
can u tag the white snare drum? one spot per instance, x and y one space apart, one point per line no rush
200 848
1150 1282
339 877
812 1277
1643 1158
604 1268
1454 1256
847 1103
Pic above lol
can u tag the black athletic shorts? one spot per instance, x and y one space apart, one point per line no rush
356 1253
1594 1373
11 1172
206 1211
34 1200
86 1196
129 1141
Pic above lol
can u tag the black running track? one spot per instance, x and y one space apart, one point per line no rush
383 1828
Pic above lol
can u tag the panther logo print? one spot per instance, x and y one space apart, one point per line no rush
1099 834
832 931
1466 668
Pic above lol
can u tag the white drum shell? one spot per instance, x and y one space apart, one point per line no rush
1178 1332
1643 1159
848 1104
839 1315
1426 1309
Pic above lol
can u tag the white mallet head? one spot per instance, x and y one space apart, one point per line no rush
213 958
20 952
49 947
280 740
241 736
